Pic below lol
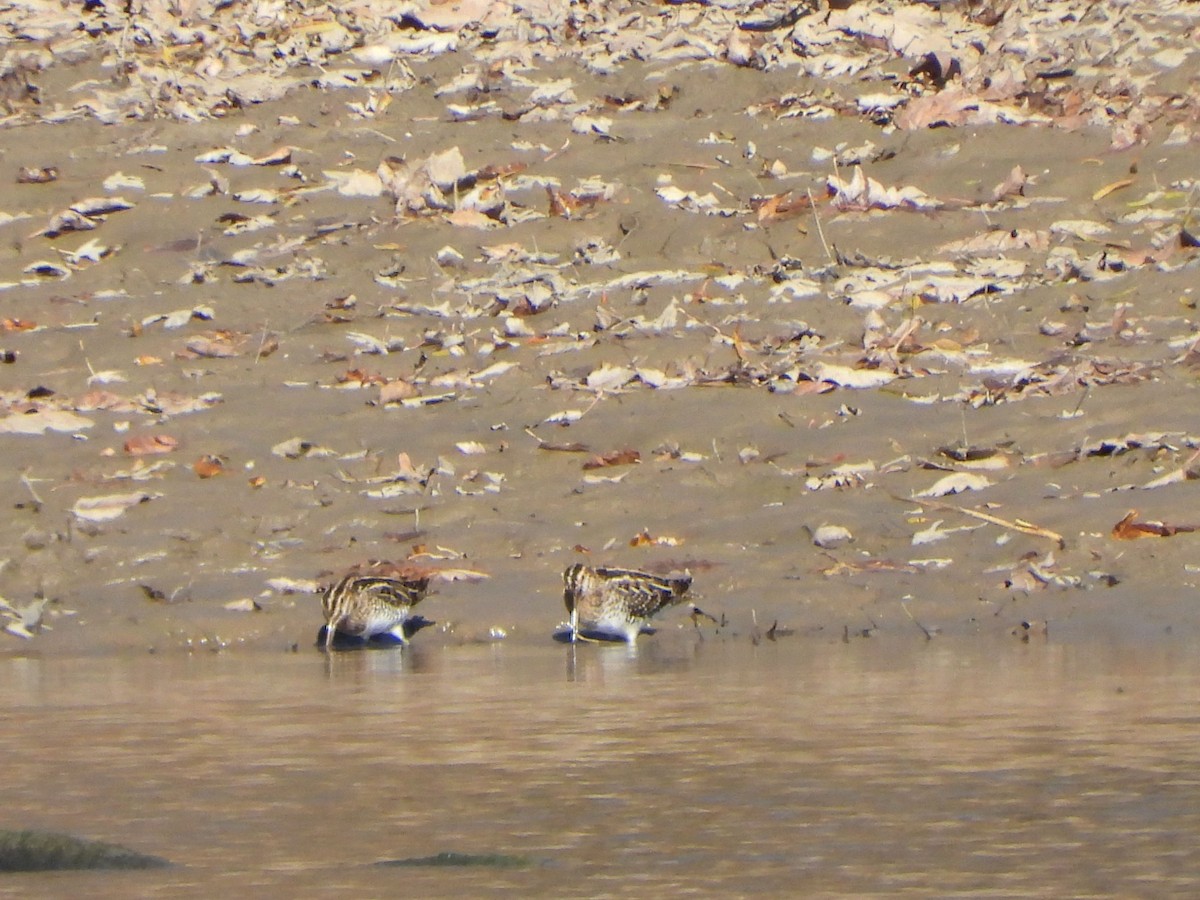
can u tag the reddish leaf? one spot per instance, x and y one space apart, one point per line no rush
361 376
148 444
613 458
1129 529
645 539
208 466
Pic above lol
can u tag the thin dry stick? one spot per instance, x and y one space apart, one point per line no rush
928 634
820 231
262 342
1018 525
29 486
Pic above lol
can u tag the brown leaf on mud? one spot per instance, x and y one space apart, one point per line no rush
361 378
946 108
94 400
1129 529
215 345
147 444
645 539
840 567
37 174
624 457
1012 186
572 204
268 343
780 206
208 466
470 218
8 324
396 391
810 386
406 469
1000 240
561 205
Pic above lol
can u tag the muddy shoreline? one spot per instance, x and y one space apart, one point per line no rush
500 307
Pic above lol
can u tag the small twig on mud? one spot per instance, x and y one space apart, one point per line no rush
262 342
927 632
29 487
1086 389
1017 525
820 231
688 165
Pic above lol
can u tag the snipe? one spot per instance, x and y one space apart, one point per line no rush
616 603
366 605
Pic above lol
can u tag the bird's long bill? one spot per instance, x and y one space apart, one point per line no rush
574 624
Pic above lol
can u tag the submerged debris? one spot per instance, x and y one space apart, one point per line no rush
45 851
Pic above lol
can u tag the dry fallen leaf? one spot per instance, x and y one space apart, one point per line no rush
828 536
956 483
396 391
1012 186
208 465
613 458
109 506
1129 529
37 174
1111 187
146 444
39 421
645 539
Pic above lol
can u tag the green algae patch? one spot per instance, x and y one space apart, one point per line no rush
47 851
463 860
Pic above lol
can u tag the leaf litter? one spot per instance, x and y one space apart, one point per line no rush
543 278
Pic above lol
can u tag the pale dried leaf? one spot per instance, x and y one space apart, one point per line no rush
107 507
957 483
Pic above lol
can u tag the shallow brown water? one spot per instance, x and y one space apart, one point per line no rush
806 766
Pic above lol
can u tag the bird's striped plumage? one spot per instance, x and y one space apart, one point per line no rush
616 603
366 605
